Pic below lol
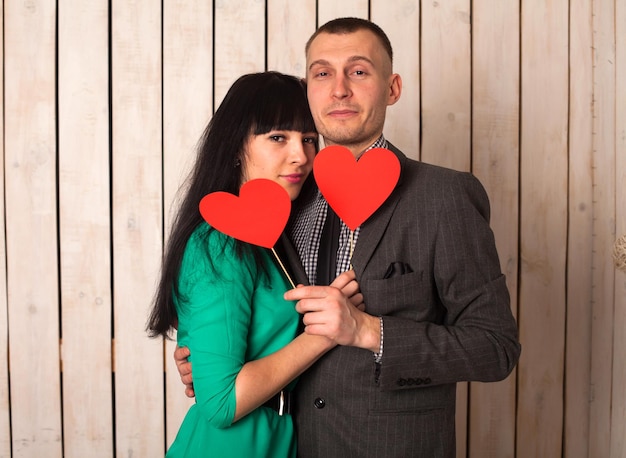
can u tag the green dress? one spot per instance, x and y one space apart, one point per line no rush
229 312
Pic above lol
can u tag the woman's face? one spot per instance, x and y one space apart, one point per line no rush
283 156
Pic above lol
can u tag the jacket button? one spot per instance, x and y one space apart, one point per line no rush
319 403
401 382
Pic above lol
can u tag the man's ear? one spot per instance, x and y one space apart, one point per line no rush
395 88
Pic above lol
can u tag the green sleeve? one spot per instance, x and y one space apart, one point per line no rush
214 312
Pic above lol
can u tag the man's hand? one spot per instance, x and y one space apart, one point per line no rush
330 311
181 355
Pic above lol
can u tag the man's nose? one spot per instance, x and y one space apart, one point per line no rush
341 87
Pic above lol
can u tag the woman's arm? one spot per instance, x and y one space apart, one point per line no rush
261 379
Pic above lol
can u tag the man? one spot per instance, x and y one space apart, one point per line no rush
437 306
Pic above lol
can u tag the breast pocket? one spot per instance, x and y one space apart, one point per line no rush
396 295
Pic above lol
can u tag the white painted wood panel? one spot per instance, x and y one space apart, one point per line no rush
543 226
187 108
618 408
137 224
446 83
603 162
84 228
5 404
331 9
401 22
495 161
579 258
31 233
289 26
446 113
239 42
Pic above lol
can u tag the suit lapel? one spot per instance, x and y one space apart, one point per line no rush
373 229
370 234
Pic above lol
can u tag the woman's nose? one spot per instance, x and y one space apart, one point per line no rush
298 153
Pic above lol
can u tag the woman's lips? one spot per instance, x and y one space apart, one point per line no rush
294 178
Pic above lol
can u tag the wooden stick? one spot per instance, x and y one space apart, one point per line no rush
283 267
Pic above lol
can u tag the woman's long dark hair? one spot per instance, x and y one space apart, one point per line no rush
255 104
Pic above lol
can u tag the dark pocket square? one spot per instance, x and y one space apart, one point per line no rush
396 269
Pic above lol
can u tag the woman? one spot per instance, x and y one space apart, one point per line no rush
225 296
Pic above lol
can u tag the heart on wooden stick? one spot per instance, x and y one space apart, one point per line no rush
355 189
257 216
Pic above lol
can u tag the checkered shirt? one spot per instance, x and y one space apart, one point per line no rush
307 231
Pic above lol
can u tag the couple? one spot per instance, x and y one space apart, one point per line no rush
374 380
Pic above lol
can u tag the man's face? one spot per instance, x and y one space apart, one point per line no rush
349 86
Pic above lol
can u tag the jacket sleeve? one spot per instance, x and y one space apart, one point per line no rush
459 325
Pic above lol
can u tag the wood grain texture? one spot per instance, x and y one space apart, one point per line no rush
5 403
495 161
543 227
84 228
137 202
187 108
580 189
618 408
401 22
31 232
239 42
446 113
331 9
603 163
446 84
289 26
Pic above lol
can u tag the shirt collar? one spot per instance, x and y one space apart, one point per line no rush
381 142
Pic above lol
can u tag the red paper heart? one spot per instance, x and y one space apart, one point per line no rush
257 216
355 189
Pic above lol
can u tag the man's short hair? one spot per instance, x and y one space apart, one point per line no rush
346 25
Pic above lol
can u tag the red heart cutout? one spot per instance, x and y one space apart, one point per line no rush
257 216
355 189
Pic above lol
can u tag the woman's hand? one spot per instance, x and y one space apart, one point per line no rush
347 284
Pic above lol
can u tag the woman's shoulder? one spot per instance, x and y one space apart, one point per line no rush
204 238
211 251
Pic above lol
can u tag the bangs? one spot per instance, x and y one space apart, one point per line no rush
270 112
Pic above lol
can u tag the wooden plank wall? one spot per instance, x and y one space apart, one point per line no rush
32 238
84 229
5 423
618 417
103 103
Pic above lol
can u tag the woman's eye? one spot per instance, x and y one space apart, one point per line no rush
277 138
310 140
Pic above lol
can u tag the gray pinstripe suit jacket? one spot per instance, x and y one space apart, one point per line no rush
447 319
